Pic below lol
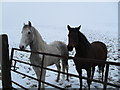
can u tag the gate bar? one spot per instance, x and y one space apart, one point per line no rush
14 88
38 80
19 85
78 58
43 53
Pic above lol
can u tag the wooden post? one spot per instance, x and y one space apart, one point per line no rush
6 75
0 57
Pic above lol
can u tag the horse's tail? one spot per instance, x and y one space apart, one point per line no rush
64 52
101 67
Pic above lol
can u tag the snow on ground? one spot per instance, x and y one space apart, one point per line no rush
109 38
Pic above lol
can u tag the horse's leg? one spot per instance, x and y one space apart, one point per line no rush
103 71
37 71
93 70
59 69
88 75
43 77
79 70
65 67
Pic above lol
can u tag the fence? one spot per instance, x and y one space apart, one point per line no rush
9 81
0 72
0 56
6 75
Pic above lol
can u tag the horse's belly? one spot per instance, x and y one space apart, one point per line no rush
50 60
35 59
82 65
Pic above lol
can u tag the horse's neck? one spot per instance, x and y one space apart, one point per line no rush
38 43
82 48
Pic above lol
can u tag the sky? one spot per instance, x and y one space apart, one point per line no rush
99 16
60 1
58 14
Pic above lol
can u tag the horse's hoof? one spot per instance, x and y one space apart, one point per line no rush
80 88
68 86
67 80
57 80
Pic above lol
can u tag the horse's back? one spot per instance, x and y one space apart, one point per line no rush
56 47
61 46
99 50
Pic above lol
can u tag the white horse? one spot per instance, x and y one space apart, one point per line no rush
31 37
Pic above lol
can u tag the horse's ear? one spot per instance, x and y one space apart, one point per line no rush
68 27
29 23
24 24
79 27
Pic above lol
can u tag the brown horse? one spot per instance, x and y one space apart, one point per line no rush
84 49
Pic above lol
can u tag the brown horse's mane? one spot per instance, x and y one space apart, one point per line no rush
83 46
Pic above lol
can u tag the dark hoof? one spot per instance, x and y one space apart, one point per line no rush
67 80
57 80
68 86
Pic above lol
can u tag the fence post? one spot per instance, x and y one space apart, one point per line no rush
6 75
0 57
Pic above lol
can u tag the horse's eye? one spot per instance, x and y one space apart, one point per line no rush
29 32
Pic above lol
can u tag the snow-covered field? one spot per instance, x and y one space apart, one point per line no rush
49 34
99 22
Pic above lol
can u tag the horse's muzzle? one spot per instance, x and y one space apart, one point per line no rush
22 47
70 48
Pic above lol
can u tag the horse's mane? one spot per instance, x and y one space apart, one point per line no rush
83 39
39 38
83 45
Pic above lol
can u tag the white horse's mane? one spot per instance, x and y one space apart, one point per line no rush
39 40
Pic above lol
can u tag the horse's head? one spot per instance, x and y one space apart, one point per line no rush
27 36
73 37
